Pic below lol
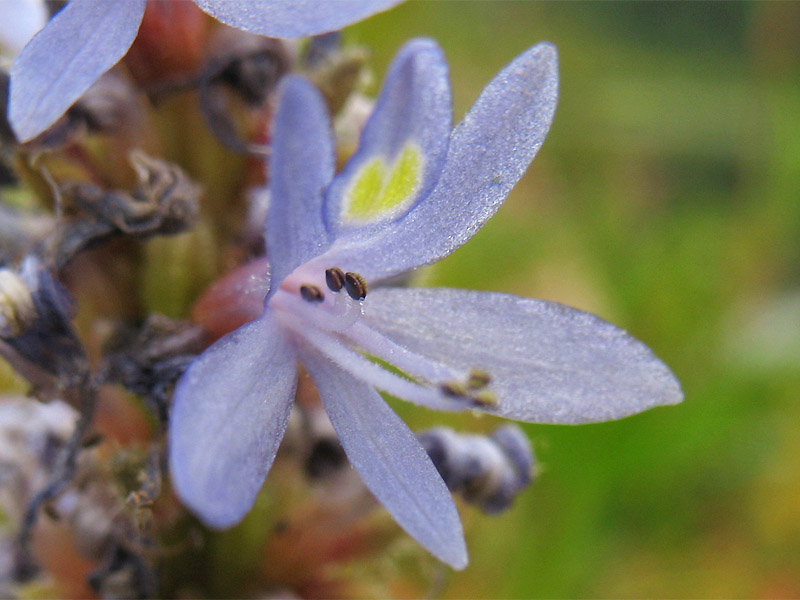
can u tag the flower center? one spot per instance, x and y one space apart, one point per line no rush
304 296
328 317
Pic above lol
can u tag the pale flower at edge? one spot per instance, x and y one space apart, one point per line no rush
87 37
411 194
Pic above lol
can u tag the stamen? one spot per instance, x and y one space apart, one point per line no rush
469 391
335 278
311 293
484 399
372 373
372 342
478 379
454 389
355 285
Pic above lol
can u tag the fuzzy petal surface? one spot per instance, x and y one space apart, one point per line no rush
413 114
549 363
390 460
229 415
488 153
292 18
301 167
64 59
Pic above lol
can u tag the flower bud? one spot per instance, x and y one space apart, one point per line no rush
487 471
35 322
17 310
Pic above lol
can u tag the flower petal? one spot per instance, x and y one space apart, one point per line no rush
65 58
292 18
390 460
488 153
229 415
19 21
549 363
402 148
301 167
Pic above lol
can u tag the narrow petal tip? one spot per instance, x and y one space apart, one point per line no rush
673 391
546 51
391 461
460 560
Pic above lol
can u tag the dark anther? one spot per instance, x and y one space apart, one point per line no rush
355 285
484 399
454 389
311 293
478 379
335 279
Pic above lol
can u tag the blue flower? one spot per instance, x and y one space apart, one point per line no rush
412 193
88 37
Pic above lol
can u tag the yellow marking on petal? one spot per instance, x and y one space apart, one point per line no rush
404 178
366 188
380 192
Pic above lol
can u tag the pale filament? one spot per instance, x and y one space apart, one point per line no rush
375 343
365 370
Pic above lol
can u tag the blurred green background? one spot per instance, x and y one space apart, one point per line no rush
665 199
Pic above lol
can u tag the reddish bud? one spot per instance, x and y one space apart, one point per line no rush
170 43
234 300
